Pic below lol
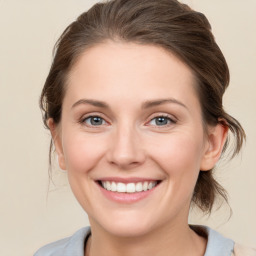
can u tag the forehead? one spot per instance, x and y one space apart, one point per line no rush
130 70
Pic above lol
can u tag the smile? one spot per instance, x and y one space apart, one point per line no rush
128 187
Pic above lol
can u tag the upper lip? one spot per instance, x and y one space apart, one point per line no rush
127 180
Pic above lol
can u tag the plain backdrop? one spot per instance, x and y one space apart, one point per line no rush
33 214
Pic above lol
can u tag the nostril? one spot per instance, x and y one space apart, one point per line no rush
125 150
125 162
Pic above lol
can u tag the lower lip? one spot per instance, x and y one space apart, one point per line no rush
126 198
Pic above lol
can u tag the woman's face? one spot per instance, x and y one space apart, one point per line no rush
131 120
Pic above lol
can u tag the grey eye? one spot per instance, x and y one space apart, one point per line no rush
94 121
160 121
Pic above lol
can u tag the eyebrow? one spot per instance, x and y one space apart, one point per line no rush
95 103
146 104
153 103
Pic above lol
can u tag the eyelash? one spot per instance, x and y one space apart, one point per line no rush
167 118
83 120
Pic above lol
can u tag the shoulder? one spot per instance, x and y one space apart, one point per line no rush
217 244
73 245
240 250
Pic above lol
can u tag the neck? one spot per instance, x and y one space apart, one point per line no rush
162 242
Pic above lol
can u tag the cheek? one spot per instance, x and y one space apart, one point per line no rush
82 152
180 159
179 155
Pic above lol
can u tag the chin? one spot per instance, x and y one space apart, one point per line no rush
125 225
129 229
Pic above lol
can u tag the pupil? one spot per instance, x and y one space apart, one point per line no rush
161 121
96 121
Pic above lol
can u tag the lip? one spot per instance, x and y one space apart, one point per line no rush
126 198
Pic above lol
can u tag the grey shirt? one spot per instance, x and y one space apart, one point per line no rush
217 245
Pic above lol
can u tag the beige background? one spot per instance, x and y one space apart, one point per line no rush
30 216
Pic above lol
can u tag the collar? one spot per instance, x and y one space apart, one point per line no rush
217 245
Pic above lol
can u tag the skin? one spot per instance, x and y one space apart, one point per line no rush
130 143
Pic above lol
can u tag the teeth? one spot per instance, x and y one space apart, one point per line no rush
108 185
139 187
145 186
121 187
128 188
113 186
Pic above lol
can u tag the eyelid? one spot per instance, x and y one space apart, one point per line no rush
93 114
165 115
81 120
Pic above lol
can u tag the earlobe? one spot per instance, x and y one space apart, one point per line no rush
56 138
216 140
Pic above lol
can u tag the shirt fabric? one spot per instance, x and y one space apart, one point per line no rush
217 244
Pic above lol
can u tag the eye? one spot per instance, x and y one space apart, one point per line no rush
161 121
94 121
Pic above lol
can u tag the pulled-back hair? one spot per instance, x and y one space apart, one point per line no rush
165 23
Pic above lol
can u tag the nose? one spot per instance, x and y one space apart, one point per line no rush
125 149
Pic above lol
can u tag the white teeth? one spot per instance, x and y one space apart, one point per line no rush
113 186
139 187
108 185
128 188
145 186
121 187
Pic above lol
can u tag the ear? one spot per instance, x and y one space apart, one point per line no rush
56 137
217 136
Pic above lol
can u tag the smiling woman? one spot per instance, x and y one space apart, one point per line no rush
133 101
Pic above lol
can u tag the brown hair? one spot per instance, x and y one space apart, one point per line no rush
165 23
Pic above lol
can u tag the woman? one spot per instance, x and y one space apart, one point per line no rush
133 101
